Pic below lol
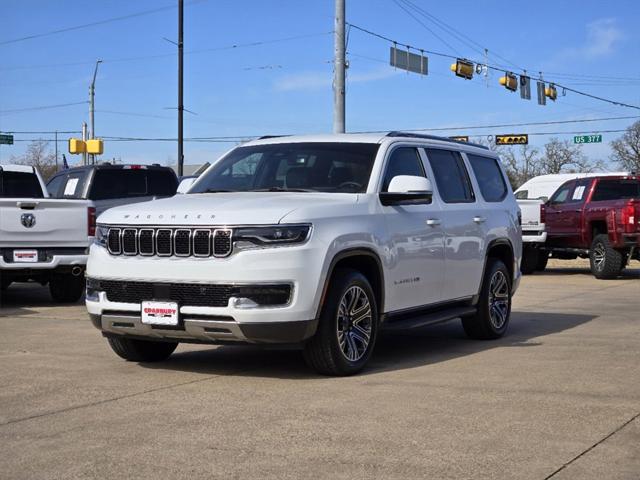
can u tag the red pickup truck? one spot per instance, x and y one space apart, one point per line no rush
597 217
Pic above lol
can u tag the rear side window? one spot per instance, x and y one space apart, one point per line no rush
616 190
489 177
403 161
68 185
19 185
125 183
562 194
451 176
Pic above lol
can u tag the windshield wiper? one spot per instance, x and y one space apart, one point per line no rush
216 190
281 189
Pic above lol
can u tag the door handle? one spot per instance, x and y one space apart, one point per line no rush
479 219
432 222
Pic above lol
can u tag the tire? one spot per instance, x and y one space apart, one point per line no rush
4 284
530 256
66 288
494 306
141 350
343 344
543 258
606 262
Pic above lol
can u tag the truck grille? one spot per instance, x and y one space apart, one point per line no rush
166 242
190 294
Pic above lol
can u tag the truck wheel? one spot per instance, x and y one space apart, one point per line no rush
4 284
141 350
348 326
606 261
494 305
543 258
66 288
529 261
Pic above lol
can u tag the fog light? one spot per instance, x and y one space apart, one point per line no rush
241 302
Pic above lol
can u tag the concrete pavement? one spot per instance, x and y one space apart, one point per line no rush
558 397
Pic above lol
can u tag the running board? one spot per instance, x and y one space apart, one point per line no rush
422 320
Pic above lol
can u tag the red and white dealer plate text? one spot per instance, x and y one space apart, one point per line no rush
160 313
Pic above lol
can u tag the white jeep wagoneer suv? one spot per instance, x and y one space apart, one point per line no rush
320 241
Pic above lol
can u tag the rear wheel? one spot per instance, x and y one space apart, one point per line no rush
66 288
348 326
494 305
141 350
530 257
606 261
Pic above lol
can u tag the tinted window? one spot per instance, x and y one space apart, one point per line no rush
161 183
489 177
125 183
323 167
54 185
19 185
450 175
403 161
562 194
616 190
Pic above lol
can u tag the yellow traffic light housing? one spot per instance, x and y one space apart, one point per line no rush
512 139
509 81
551 92
463 68
95 146
77 146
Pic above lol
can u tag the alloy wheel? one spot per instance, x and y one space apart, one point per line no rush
354 323
498 300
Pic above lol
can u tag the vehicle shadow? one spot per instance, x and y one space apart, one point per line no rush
397 351
21 298
627 274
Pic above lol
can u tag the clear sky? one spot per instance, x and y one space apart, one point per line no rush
282 83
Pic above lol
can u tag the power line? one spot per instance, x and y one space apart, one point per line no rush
43 107
92 24
492 67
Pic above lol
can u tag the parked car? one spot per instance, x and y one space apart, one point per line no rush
112 185
531 196
598 218
313 240
42 239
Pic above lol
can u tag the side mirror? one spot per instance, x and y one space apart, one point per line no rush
185 185
407 190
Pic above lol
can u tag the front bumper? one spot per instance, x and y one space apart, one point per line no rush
194 329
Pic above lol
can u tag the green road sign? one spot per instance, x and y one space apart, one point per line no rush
6 139
587 139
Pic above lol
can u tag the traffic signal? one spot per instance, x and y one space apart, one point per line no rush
522 139
551 92
509 81
95 146
463 68
77 146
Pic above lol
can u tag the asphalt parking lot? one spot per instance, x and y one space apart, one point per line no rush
558 397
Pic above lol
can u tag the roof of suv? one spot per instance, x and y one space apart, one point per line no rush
362 138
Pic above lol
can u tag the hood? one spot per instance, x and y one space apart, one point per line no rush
237 208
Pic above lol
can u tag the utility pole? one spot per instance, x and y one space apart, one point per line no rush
92 94
84 139
339 67
56 140
180 81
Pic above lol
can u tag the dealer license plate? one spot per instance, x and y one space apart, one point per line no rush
160 313
25 256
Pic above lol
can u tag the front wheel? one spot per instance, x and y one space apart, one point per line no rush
494 305
348 326
141 350
606 261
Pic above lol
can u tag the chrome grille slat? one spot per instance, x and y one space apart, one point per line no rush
172 241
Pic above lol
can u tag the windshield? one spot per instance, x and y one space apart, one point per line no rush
319 167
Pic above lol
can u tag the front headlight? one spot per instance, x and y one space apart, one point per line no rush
101 236
270 236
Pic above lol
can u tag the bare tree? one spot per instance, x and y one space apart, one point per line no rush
626 149
564 157
40 156
521 164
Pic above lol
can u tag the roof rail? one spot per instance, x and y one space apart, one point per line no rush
433 137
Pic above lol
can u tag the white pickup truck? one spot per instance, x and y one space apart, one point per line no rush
42 239
530 196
